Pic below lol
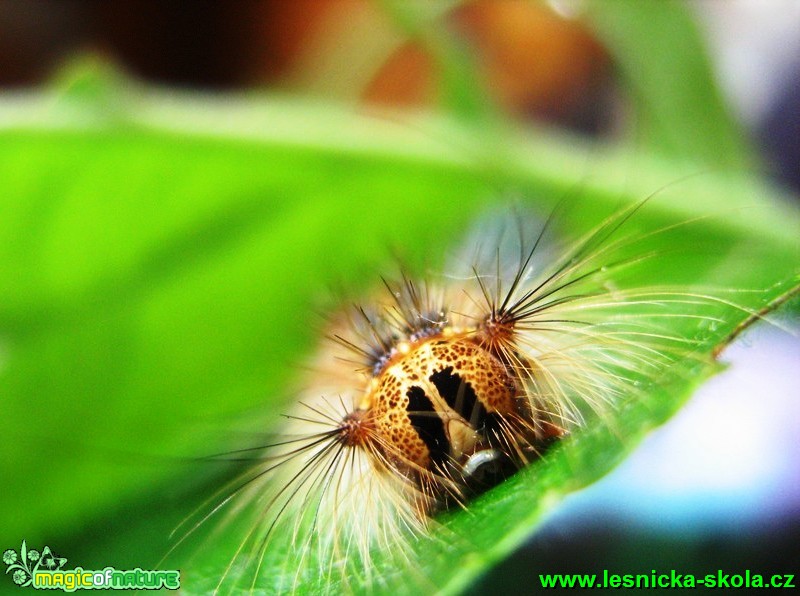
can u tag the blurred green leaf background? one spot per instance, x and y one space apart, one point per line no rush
164 255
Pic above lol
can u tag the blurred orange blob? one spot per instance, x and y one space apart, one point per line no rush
534 62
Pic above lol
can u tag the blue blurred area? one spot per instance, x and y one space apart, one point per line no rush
727 462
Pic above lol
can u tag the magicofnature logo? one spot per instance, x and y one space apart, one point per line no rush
45 570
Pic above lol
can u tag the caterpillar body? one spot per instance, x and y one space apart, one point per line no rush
436 390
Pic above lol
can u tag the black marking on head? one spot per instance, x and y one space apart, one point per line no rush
428 425
492 427
460 396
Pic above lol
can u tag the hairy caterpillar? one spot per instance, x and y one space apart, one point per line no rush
433 391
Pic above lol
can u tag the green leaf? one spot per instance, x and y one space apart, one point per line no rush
667 74
160 274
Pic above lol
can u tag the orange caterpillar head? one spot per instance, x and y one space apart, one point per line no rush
444 406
